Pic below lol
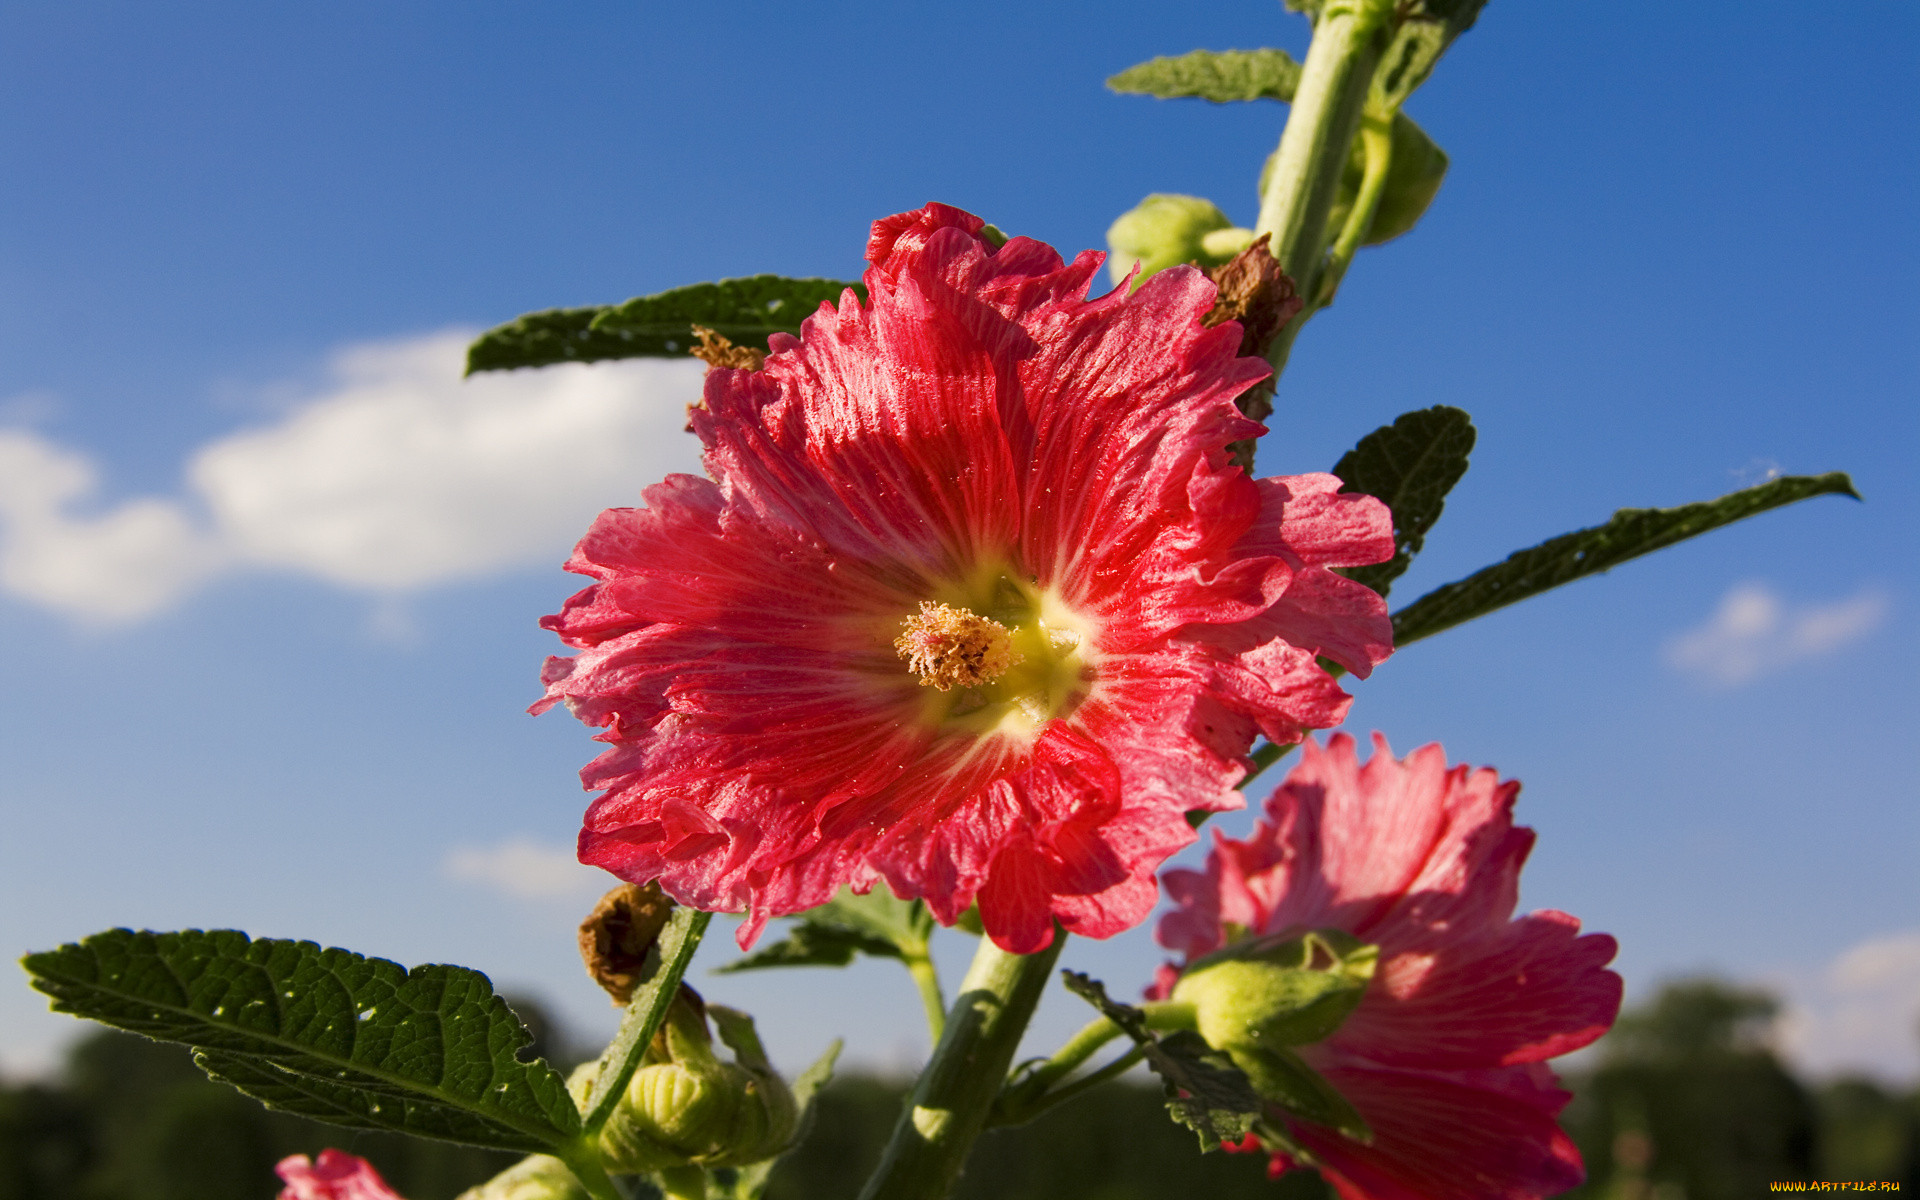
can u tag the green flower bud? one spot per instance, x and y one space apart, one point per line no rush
538 1177
1266 994
685 1107
1165 230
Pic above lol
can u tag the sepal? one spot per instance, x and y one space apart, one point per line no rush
1271 993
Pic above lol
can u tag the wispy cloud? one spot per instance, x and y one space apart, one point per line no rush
527 870
1861 1013
1754 633
399 475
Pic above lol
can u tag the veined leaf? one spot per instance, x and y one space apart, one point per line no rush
1222 76
878 924
744 311
1631 533
325 1033
1409 465
1205 1091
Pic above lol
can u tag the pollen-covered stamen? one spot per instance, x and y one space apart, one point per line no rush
950 647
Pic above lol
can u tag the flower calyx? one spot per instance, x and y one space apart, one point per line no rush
1257 999
685 1107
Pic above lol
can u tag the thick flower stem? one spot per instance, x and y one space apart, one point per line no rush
949 1104
1348 40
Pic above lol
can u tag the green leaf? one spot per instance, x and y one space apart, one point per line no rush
745 311
1631 533
1426 29
1222 76
878 924
1414 174
325 1033
1205 1091
647 1008
1409 465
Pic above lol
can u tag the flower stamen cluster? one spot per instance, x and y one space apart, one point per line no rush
950 647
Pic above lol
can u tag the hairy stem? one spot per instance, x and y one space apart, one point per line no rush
1348 40
950 1102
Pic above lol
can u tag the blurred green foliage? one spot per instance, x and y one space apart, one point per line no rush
1688 1102
1684 1101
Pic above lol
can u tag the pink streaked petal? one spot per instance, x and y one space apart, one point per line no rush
1532 991
1437 1137
977 414
1307 516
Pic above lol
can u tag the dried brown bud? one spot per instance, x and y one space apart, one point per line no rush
1254 291
615 937
717 351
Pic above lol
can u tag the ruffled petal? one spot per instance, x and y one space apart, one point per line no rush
977 417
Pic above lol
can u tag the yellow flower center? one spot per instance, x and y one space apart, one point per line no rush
996 655
950 647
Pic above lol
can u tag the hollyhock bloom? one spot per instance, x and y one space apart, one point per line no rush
973 602
337 1176
1445 1055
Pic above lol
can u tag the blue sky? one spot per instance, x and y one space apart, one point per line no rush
269 574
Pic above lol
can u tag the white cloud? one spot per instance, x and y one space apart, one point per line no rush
399 475
1861 1014
1755 633
119 565
527 870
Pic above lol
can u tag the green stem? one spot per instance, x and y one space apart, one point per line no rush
1034 1093
949 1104
586 1167
927 979
1348 40
1376 142
1094 1079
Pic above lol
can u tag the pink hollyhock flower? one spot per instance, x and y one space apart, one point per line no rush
337 1176
1444 1056
973 602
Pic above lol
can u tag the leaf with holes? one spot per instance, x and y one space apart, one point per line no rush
744 311
1410 466
325 1033
1631 533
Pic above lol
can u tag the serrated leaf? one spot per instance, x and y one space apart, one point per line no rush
744 311
324 1032
659 982
1205 1091
1410 466
1631 533
878 924
1222 76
